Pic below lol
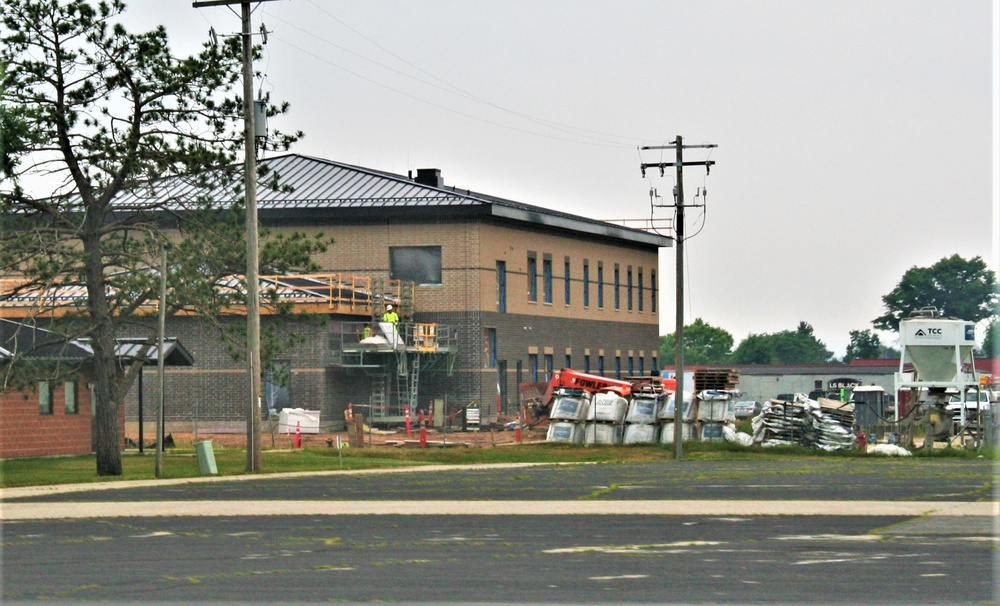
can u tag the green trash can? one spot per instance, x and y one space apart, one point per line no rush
206 458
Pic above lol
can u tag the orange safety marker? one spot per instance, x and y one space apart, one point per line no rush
408 432
423 431
517 429
298 434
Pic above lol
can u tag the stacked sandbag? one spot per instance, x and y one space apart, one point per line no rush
667 419
714 409
568 413
605 419
641 422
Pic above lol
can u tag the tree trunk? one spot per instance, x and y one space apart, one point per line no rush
102 335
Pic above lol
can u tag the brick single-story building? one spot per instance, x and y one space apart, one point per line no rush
55 415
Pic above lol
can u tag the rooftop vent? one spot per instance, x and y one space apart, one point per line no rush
429 176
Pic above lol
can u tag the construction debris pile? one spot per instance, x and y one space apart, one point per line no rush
824 424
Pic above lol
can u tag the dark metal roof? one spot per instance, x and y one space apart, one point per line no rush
133 349
311 186
37 343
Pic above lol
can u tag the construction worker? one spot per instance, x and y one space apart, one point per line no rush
390 315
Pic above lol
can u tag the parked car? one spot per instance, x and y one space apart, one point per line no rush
746 408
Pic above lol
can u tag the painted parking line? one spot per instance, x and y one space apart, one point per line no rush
39 511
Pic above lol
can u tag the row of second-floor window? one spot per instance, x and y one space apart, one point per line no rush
594 282
541 367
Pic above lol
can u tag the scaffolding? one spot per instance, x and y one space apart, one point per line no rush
393 356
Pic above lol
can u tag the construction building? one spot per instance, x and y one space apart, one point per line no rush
491 293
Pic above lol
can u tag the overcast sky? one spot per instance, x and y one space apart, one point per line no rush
856 138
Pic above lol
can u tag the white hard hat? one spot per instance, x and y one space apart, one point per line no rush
388 307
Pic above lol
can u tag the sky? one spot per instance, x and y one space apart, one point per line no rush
856 138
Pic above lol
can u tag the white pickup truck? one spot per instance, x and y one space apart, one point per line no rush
969 408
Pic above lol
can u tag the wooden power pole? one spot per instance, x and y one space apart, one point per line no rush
254 457
678 146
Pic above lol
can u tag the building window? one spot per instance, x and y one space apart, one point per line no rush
278 385
618 285
71 397
502 287
44 398
547 279
491 337
652 291
640 289
549 367
600 365
586 363
532 277
628 287
569 361
642 365
655 365
631 366
586 283
566 282
618 367
600 285
420 264
533 367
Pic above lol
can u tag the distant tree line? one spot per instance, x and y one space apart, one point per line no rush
956 287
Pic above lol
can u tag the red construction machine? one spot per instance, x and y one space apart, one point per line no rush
538 409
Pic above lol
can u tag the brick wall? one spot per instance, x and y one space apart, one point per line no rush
215 390
24 432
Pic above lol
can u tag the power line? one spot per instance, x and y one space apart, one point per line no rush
590 137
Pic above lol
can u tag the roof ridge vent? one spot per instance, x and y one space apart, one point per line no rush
429 176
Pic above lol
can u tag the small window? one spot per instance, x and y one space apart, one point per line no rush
533 367
420 264
549 367
569 361
586 363
600 365
586 283
72 405
566 281
640 290
502 287
652 292
532 277
600 285
44 398
547 279
618 286
618 367
628 287
491 337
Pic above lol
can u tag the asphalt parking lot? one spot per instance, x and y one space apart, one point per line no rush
879 531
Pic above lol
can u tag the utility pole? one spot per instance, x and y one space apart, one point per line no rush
678 146
254 457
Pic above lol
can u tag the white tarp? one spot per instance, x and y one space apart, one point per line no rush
391 334
304 421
